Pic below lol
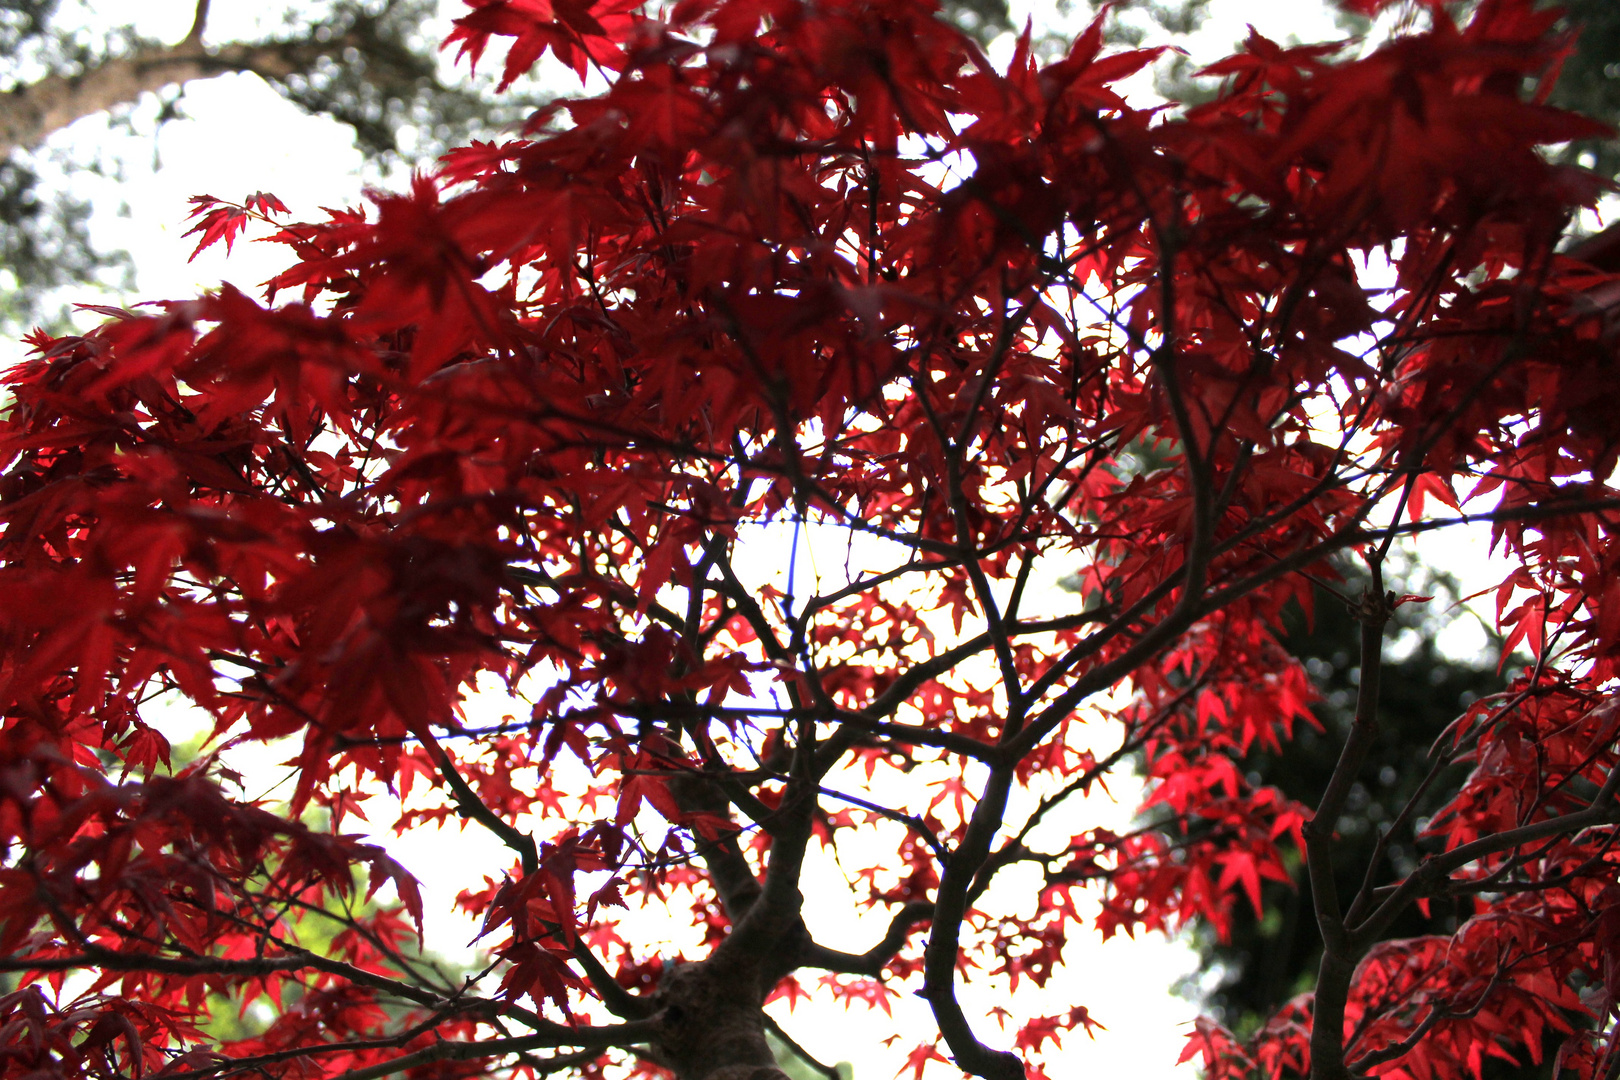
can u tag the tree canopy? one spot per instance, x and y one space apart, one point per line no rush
818 275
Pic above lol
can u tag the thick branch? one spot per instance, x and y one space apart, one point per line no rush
619 1001
776 913
944 940
728 868
33 111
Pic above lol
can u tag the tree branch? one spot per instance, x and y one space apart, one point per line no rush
944 940
829 1071
597 1039
31 112
1339 956
1427 878
872 961
296 959
199 22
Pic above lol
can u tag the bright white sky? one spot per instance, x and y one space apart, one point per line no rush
240 137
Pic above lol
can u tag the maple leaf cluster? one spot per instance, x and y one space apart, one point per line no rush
810 270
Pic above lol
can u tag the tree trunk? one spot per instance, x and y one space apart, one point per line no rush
713 1020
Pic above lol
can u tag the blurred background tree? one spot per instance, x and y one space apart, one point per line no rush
1266 962
371 65
1590 81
